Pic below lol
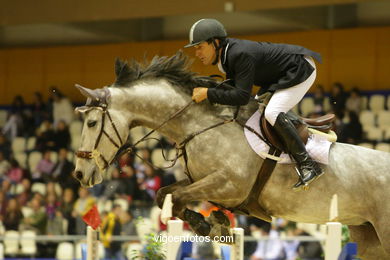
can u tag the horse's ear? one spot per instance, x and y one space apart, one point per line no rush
89 93
121 69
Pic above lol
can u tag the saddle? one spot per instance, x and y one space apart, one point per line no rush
322 124
250 205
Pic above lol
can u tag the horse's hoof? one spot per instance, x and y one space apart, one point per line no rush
197 222
220 218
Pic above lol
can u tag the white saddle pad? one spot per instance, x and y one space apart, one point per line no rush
317 146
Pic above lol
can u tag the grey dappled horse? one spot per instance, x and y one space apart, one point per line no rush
222 165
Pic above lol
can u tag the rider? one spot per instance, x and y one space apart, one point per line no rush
288 71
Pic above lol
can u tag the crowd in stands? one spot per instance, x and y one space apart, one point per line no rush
39 193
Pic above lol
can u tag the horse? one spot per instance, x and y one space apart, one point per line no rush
221 166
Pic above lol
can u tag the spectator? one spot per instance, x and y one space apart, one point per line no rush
6 188
351 132
5 147
55 225
338 98
308 250
319 100
4 167
62 135
66 208
14 125
45 137
37 220
13 215
51 205
44 169
62 171
81 206
114 186
150 185
354 102
26 194
15 173
270 249
39 110
3 205
62 107
130 180
128 225
111 227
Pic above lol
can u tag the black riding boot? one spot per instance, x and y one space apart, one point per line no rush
308 168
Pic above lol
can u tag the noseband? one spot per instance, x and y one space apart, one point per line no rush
95 154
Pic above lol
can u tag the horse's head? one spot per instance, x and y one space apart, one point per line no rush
104 131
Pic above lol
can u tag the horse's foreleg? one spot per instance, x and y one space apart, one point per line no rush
369 246
214 187
162 192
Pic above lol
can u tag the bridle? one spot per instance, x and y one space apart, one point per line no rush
95 154
101 103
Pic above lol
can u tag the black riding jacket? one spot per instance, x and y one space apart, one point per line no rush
269 65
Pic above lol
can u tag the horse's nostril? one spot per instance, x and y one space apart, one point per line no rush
78 175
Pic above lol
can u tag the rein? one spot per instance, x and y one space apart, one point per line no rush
130 148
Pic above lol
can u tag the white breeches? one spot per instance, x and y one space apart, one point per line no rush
285 99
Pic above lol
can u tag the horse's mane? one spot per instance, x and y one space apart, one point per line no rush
175 69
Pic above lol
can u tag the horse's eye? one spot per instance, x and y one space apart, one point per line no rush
91 123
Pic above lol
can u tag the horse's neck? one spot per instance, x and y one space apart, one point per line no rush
151 105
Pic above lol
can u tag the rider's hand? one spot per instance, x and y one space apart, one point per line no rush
199 94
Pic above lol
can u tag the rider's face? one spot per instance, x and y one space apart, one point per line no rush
205 52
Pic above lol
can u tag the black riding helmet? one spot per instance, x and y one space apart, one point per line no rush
207 30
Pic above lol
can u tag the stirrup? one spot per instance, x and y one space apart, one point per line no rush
301 183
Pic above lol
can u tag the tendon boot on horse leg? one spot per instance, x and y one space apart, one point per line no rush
307 167
196 220
220 224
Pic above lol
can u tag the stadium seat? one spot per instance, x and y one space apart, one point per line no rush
27 211
367 119
383 119
364 102
385 147
1 251
153 143
39 187
18 145
136 134
31 143
75 143
123 203
144 227
11 242
65 251
3 117
133 250
18 189
157 158
28 245
307 106
54 156
75 128
155 218
33 160
367 145
326 104
21 158
374 134
377 103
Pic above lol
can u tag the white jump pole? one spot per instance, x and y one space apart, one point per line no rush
237 249
175 228
333 236
92 244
